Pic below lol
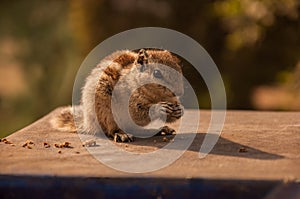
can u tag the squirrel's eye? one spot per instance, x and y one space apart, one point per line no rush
157 74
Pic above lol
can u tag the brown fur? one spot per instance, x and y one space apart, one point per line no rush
125 60
97 92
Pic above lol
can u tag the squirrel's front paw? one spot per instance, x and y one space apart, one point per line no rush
123 137
171 110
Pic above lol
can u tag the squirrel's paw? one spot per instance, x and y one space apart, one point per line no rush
123 137
165 130
172 110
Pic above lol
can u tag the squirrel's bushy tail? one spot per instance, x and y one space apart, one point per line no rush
66 120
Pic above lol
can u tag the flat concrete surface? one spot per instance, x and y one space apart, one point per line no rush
253 146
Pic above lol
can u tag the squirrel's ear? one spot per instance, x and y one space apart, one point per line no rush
142 57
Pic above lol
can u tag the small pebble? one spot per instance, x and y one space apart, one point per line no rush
165 139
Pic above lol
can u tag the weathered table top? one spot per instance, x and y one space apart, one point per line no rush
253 146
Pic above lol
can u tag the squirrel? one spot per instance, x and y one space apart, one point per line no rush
147 101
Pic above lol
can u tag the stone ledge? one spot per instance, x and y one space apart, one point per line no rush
254 147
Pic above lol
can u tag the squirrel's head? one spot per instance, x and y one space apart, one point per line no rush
162 69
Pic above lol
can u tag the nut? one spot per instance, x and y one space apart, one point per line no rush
89 143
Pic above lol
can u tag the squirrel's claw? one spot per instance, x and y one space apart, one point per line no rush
165 130
172 110
123 137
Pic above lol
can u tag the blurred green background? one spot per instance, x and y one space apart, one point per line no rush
255 44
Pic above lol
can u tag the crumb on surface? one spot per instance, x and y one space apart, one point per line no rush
63 145
5 141
46 145
28 144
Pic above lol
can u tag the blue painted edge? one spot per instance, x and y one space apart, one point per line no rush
22 186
